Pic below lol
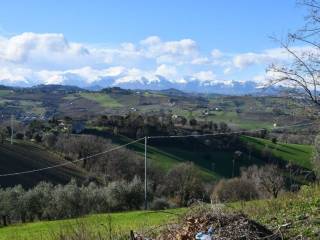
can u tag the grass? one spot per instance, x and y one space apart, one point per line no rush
120 222
32 106
212 164
301 211
4 93
296 153
103 99
164 159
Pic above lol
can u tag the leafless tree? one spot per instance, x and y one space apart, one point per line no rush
183 181
271 179
303 70
268 179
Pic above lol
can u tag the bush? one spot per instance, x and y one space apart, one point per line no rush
235 189
159 204
126 195
19 135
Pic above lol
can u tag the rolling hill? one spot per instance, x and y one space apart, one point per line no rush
46 101
215 164
25 156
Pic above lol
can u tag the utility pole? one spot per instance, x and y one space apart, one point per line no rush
11 138
145 173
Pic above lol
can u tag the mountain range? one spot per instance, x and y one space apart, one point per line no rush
191 86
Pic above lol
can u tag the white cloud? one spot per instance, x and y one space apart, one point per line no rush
227 70
166 71
216 53
170 51
200 61
275 55
34 49
50 58
204 76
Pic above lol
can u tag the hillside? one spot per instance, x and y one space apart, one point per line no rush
25 156
245 112
297 154
297 215
215 164
294 214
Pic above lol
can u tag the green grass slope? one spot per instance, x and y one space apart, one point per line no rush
298 213
215 164
25 156
212 164
120 222
296 153
103 99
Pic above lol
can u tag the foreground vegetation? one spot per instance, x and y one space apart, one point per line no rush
115 222
295 214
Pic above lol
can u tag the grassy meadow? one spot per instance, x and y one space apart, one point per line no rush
115 222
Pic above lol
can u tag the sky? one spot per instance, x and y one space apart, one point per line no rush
82 42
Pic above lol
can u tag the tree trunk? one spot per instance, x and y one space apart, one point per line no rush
4 220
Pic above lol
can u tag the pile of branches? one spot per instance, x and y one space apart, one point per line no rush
225 225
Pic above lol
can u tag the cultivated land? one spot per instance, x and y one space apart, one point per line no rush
215 164
212 164
247 112
213 157
25 156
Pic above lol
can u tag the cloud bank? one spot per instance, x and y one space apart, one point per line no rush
50 58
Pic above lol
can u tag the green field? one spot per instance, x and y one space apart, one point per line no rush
212 164
4 92
215 164
25 156
296 153
102 98
299 212
120 222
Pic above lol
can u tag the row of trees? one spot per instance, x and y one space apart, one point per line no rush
179 187
46 201
138 125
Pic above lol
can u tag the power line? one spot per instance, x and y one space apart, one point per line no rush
69 162
152 137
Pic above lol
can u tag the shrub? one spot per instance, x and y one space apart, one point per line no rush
235 189
159 204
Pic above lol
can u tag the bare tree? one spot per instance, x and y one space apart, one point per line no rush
183 181
271 179
303 70
268 179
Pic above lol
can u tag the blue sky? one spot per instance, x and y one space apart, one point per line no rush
219 32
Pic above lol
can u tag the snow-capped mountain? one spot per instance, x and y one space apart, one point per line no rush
190 85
